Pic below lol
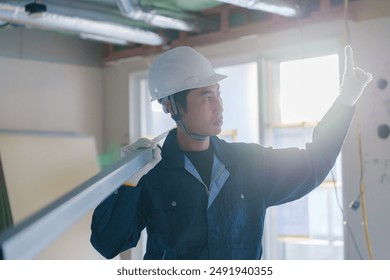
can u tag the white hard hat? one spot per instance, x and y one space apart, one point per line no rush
180 69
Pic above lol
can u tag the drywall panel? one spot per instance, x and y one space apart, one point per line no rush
39 95
41 167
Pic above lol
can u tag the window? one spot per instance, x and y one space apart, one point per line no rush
308 88
311 227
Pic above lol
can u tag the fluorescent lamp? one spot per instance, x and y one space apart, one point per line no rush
278 7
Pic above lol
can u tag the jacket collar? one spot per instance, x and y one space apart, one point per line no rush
173 157
224 151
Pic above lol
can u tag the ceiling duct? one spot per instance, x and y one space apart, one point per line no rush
132 9
279 7
92 29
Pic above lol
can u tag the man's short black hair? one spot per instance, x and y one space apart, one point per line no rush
181 98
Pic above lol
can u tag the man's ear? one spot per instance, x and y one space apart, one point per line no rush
169 106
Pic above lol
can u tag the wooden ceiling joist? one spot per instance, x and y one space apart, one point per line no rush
271 23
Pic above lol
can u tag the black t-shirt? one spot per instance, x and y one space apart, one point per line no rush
203 162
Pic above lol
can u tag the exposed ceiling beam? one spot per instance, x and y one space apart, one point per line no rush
326 11
225 31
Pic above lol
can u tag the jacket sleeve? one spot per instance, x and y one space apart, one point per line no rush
117 222
288 174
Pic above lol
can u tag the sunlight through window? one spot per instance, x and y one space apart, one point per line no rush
308 87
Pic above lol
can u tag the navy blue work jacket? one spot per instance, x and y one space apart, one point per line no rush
184 220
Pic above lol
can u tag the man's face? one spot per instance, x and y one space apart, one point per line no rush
204 111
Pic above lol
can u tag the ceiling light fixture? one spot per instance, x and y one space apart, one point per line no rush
279 7
51 21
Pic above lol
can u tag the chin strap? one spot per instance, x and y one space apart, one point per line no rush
177 118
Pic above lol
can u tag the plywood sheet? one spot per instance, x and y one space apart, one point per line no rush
38 169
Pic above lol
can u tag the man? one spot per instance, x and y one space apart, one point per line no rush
206 198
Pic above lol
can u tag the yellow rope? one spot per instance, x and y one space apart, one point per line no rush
362 192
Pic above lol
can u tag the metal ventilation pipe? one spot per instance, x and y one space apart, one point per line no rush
131 9
279 7
92 29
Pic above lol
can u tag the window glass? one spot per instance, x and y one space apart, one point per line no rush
311 227
308 88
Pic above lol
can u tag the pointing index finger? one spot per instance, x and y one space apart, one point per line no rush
349 64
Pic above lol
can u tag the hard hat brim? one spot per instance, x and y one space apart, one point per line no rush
215 78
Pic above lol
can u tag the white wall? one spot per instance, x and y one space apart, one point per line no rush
372 53
116 100
35 44
52 93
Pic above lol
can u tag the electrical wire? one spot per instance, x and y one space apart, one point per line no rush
362 192
342 213
350 232
362 186
347 33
